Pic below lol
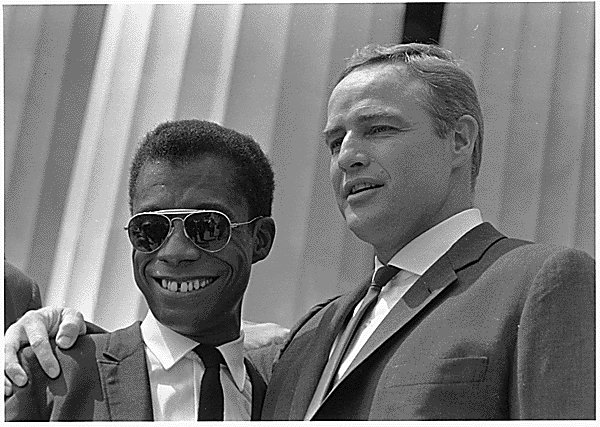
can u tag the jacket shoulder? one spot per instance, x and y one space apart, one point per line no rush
311 315
88 348
541 257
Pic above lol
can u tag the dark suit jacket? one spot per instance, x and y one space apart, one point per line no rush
103 377
20 294
495 329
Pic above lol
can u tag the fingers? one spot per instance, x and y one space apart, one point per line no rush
33 329
38 326
71 326
12 343
7 388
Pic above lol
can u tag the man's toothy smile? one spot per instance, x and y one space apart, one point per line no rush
187 285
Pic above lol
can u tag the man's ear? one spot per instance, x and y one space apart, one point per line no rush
263 237
466 131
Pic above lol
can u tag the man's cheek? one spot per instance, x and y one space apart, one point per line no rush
242 248
140 262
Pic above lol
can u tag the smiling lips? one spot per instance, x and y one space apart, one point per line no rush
362 187
358 186
187 285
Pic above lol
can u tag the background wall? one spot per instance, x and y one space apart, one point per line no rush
84 83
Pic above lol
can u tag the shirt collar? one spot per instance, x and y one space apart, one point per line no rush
170 347
424 250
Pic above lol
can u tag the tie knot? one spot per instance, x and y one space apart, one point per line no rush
384 275
211 357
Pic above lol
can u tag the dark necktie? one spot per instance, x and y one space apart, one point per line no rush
210 405
382 277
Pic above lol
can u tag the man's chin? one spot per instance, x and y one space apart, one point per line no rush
368 228
188 326
363 232
205 330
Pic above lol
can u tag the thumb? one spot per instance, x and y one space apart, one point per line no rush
71 326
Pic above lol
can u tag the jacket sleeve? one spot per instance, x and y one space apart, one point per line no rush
556 341
21 294
36 300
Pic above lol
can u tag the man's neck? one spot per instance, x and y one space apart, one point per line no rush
386 252
216 335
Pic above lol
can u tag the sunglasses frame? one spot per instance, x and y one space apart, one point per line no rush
186 213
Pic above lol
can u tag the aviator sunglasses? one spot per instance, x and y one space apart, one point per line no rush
207 229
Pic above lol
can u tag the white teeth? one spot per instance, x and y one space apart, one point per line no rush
359 187
185 286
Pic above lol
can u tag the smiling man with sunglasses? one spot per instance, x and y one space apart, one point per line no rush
200 197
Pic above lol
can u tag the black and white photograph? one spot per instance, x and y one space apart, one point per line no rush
299 211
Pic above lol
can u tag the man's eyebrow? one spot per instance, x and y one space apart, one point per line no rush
148 208
368 117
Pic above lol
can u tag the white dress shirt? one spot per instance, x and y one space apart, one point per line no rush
175 373
413 259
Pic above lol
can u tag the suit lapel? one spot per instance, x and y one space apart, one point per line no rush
438 277
317 354
124 376
423 292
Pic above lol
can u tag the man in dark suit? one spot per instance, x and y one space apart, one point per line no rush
21 294
464 323
185 361
474 325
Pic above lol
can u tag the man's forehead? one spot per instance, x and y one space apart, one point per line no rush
373 72
195 184
374 77
373 97
195 167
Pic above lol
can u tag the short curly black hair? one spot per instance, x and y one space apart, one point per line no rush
185 140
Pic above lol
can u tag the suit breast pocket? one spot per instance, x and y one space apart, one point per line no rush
438 371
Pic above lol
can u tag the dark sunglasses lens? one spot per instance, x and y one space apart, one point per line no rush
208 230
147 232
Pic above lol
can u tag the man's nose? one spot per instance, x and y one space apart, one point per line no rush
178 248
352 154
